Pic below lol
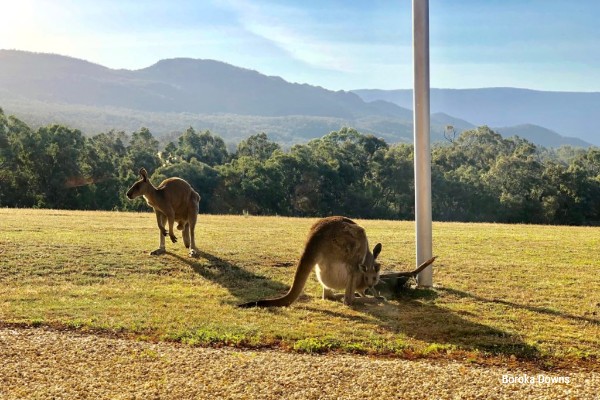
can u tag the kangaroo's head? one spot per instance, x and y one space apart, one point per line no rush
370 267
140 187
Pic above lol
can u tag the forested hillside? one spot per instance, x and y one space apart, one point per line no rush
478 176
171 95
180 85
174 94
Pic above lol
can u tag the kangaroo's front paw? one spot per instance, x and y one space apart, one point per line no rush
158 252
173 238
164 232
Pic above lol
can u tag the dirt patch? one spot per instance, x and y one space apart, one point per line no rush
45 363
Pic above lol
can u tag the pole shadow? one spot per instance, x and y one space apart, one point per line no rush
539 310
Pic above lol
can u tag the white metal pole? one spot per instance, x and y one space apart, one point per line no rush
421 132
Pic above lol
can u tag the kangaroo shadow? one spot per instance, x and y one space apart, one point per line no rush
412 314
424 320
230 276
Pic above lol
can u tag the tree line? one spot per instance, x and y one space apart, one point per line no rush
478 176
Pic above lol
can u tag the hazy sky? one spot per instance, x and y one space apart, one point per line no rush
537 44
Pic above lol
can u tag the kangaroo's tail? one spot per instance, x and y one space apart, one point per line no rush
305 266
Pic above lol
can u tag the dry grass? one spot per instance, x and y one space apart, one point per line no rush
509 290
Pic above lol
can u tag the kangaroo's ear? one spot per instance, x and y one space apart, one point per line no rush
376 250
144 174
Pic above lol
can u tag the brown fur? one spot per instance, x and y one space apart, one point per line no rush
339 250
173 200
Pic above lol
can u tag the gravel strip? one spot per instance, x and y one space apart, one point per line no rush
38 363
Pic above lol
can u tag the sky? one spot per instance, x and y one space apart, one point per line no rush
339 45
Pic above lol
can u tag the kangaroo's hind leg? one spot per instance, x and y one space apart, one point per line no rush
329 294
190 227
186 235
161 220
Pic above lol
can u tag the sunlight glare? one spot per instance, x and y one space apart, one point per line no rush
33 25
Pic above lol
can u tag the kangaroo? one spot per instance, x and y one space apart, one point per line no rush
339 251
173 200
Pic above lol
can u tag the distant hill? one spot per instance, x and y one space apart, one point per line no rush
538 134
232 102
570 114
177 85
172 95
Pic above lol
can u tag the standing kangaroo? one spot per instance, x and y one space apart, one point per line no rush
173 200
339 251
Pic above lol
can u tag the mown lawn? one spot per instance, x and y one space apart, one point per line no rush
514 291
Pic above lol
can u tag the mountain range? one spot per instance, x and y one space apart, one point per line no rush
234 103
573 114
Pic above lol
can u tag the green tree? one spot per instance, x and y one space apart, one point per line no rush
107 172
343 161
142 151
3 136
19 180
301 181
169 154
257 146
392 172
6 173
518 183
204 147
60 165
252 186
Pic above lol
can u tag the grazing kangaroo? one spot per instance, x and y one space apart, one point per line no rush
338 248
173 200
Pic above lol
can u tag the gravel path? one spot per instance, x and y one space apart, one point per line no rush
47 364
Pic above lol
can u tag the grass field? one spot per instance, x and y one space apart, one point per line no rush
501 291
